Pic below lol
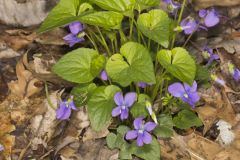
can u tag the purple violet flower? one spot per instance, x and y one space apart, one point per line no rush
141 132
103 75
187 93
210 17
75 36
172 6
123 104
65 109
208 54
217 80
235 72
1 148
142 85
189 25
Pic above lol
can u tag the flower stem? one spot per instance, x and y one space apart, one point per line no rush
189 37
104 41
122 35
48 97
140 36
93 42
113 47
131 27
149 44
116 42
155 90
160 78
156 59
178 21
137 89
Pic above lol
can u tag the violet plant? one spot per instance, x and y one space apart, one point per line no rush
129 50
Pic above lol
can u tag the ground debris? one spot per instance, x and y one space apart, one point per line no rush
211 3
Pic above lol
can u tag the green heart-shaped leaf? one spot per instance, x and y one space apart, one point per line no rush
179 63
148 151
80 66
134 64
65 12
165 127
156 26
100 106
105 19
186 119
82 92
122 6
144 4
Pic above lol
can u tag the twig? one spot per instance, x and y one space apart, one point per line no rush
24 151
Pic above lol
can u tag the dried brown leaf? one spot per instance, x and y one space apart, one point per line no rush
25 85
91 134
202 147
208 115
174 148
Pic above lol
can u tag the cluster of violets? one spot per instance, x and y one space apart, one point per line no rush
207 18
141 130
234 72
187 93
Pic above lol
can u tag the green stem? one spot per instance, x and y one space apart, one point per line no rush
131 27
93 42
156 59
137 89
122 35
149 43
104 41
179 20
155 90
48 98
116 42
140 34
113 48
160 95
96 36
181 12
160 78
189 37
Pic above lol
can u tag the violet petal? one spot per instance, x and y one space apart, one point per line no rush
75 27
149 126
118 98
116 111
130 98
124 114
211 18
138 122
131 134
147 138
140 140
176 89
